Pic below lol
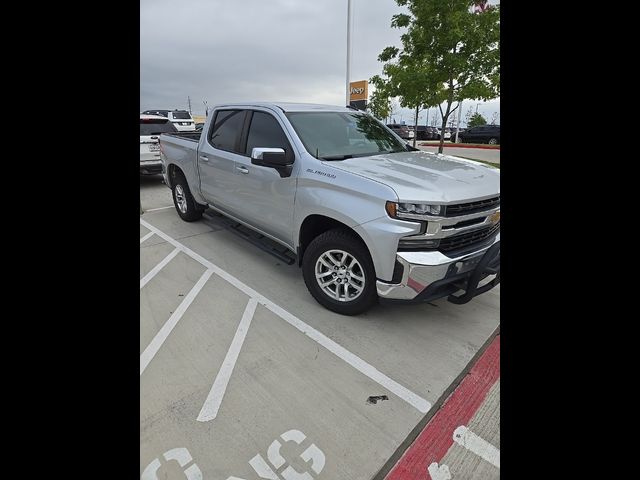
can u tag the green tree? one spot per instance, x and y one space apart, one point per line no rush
450 52
380 104
476 120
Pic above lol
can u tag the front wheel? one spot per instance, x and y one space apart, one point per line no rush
339 273
186 206
493 141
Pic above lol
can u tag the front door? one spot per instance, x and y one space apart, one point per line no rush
267 198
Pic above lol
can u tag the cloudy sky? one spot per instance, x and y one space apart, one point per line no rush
270 50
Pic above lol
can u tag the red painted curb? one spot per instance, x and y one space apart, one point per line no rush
434 441
460 145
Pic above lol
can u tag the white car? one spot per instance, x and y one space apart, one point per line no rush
151 126
181 119
447 133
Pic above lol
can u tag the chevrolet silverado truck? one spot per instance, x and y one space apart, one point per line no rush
367 216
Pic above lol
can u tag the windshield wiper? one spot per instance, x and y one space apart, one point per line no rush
336 157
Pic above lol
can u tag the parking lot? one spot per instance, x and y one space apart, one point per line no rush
244 376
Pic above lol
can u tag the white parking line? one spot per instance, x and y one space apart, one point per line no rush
469 440
211 405
156 209
146 237
356 362
166 329
144 280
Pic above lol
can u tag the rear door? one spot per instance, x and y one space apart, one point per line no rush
265 200
217 155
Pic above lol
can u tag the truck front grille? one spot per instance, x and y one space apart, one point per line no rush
462 240
471 207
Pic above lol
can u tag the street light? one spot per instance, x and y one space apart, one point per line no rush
348 52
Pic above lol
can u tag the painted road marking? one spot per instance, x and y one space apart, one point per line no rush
156 209
264 470
472 442
440 472
169 325
435 440
144 280
356 362
211 405
180 455
146 237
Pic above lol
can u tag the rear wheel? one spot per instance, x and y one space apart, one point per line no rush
339 273
493 141
186 206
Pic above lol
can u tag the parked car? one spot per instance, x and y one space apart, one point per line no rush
401 130
483 134
453 134
182 119
151 127
447 133
346 197
427 133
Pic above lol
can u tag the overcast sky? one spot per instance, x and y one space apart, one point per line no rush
268 50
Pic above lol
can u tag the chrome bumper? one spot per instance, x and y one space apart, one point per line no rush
422 269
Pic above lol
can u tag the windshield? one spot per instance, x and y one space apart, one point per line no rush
340 135
156 127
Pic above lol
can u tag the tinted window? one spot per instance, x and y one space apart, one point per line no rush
265 131
181 115
226 129
156 112
156 127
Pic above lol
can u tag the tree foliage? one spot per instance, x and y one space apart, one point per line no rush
450 52
476 120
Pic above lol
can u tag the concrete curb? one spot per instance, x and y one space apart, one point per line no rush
460 145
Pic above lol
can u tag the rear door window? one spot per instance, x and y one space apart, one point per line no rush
226 130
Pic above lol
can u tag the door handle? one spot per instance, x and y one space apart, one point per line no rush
204 158
244 170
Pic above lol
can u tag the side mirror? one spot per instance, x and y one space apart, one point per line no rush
275 158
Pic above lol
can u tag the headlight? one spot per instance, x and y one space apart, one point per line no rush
412 210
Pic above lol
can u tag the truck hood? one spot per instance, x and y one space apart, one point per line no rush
426 177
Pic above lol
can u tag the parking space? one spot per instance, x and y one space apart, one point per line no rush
245 376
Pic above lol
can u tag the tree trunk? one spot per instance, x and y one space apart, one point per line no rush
415 128
445 117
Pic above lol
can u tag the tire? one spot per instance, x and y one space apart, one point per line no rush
493 141
341 246
186 206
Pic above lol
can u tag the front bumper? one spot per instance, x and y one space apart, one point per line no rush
430 275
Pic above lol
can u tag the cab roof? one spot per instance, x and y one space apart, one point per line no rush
289 106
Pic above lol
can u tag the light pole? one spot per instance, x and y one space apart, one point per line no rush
477 107
348 51
458 123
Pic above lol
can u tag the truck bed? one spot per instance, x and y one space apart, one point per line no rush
193 136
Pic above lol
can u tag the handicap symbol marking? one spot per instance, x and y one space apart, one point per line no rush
180 455
277 461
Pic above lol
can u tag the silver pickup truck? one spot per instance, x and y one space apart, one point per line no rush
367 216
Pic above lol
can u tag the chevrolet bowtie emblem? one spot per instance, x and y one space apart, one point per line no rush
494 217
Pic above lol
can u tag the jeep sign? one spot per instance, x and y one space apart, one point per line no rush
358 90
